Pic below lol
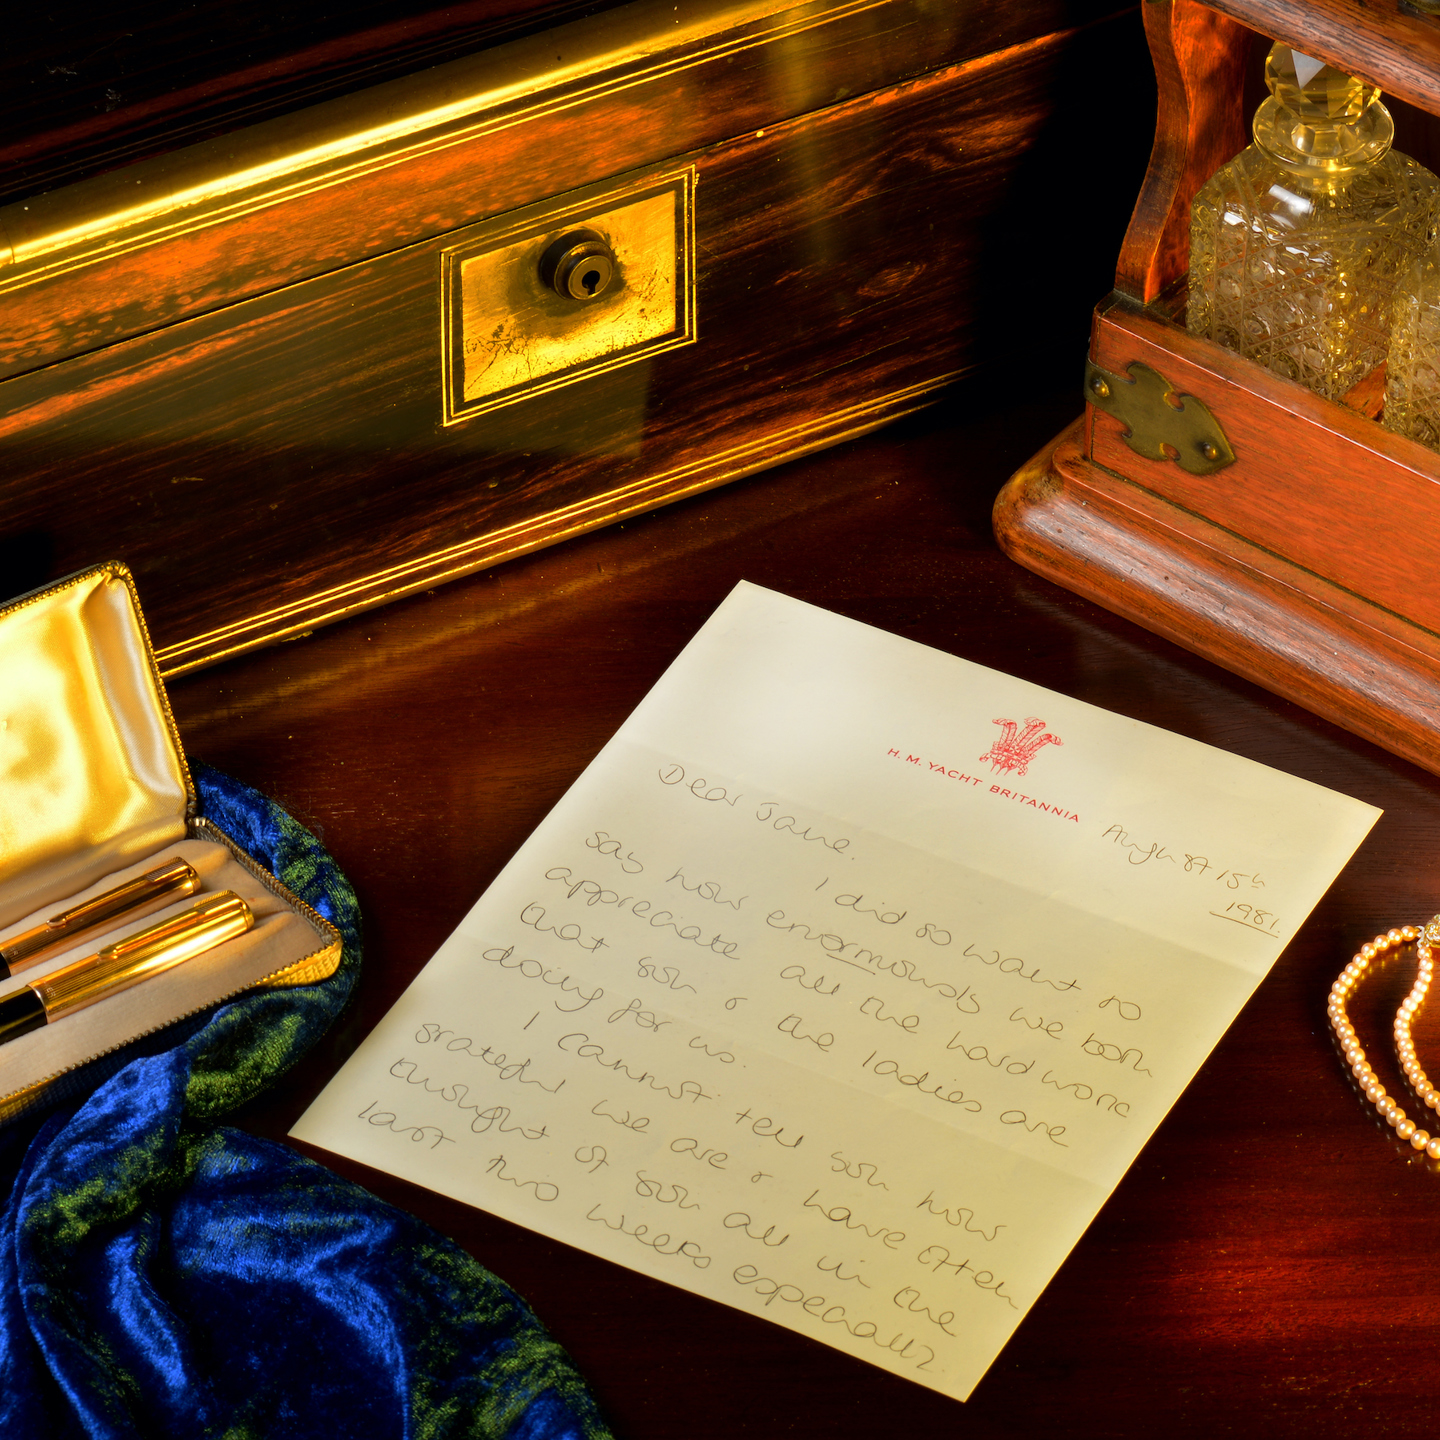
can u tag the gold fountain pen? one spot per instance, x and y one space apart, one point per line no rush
206 923
137 897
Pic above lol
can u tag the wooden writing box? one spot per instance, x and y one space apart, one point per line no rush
310 365
1312 563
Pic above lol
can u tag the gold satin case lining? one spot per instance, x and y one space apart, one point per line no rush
91 773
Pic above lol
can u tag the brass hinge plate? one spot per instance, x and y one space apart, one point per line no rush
1161 424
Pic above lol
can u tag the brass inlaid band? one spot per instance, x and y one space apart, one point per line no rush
703 473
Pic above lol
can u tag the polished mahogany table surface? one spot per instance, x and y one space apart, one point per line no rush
1267 1265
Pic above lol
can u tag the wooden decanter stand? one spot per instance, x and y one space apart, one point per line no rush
1311 562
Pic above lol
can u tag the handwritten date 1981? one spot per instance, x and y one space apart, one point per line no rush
1251 916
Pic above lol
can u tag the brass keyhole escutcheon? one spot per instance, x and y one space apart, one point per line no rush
579 266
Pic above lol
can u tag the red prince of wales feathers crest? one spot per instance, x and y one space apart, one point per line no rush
1016 748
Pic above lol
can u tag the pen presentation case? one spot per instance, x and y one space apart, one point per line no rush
95 790
1303 550
311 363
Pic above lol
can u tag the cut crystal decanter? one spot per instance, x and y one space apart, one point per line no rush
1296 246
1412 387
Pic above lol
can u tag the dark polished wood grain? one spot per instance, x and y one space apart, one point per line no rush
1266 1267
287 451
549 134
93 85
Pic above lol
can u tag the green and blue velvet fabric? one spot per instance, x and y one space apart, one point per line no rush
163 1276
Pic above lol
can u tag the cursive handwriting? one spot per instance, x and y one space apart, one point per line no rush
740 1220
705 890
725 1057
602 842
908 1023
822 1310
958 1215
666 975
844 1215
766 1129
917 1082
639 1124
701 789
857 1170
594 893
790 1025
1196 865
1127 1009
938 1258
858 905
912 1300
686 1145
663 1192
542 1189
587 1049
640 1233
504 1067
1014 965
768 814
1079 1090
982 1056
458 1096
416 1134
535 970
645 1019
1052 1030
800 976
1051 1132
1105 1050
533 915
835 1271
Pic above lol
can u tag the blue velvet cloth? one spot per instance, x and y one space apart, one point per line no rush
162 1276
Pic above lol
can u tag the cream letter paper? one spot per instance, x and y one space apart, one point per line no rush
844 985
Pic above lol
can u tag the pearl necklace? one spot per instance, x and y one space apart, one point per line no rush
1345 985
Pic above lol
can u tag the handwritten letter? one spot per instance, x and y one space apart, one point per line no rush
844 985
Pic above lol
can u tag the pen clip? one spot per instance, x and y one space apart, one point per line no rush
122 898
208 913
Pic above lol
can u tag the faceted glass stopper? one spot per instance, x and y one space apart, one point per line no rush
1319 120
1311 88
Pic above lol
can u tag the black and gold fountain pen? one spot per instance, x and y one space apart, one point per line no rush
206 923
140 896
